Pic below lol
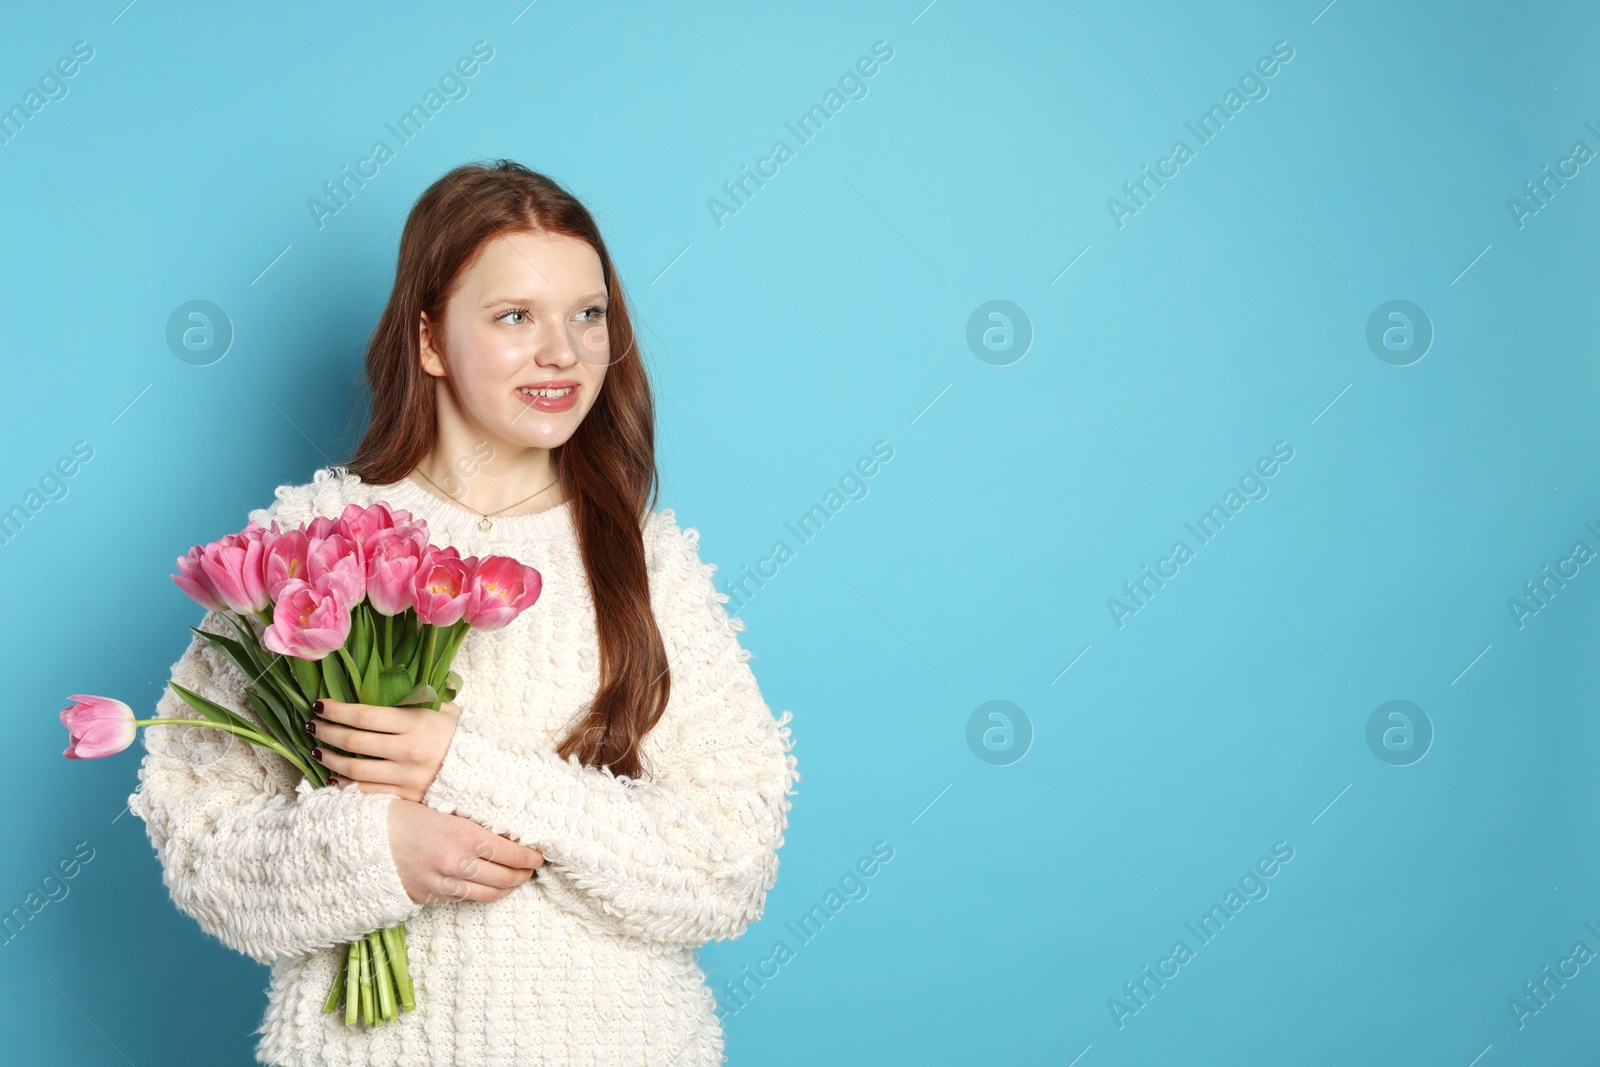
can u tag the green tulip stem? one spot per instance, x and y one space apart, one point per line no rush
367 993
394 937
427 655
352 984
384 966
337 988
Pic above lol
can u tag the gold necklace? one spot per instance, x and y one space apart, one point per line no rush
483 523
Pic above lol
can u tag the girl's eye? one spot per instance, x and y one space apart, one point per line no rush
593 312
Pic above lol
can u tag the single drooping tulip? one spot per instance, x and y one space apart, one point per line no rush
97 726
103 726
499 589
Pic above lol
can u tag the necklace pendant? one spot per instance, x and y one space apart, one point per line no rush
484 524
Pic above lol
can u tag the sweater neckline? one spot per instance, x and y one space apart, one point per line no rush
410 496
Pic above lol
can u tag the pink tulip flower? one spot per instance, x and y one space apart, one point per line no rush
337 564
393 558
500 589
97 726
439 590
191 578
308 621
362 525
286 559
229 573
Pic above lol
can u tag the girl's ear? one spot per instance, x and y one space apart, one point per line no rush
432 362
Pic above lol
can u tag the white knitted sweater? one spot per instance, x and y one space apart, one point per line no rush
592 962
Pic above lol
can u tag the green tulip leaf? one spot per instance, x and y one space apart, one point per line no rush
308 675
394 685
370 691
360 645
333 678
422 694
212 711
407 637
275 728
273 712
241 656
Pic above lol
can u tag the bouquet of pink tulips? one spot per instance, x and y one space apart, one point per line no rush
360 609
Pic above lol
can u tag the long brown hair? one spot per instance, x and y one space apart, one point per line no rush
607 468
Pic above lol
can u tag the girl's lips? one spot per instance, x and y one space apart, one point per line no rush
550 403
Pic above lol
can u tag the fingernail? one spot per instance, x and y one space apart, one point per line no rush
311 727
317 707
316 754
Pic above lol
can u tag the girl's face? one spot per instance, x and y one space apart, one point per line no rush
529 313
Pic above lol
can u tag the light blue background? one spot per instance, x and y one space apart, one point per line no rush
828 314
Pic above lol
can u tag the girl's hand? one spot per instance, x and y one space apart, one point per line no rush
445 857
403 747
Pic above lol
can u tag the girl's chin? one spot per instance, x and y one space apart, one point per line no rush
535 430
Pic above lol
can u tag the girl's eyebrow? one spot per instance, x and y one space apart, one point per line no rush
598 294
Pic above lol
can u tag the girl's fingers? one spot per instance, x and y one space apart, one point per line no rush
352 739
376 771
363 716
454 889
496 875
366 787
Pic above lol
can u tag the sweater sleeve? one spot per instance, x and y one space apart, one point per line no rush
687 855
261 860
